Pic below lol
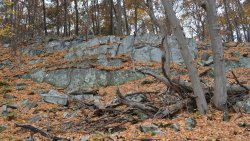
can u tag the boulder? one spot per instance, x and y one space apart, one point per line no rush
153 129
55 97
59 78
244 105
38 75
190 123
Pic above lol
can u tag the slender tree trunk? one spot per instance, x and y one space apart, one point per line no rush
65 18
57 18
126 18
220 90
77 18
111 28
183 44
164 32
136 16
44 19
229 26
119 18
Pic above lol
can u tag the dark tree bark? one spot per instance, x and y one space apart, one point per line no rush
65 18
44 18
119 18
126 18
77 18
57 18
229 25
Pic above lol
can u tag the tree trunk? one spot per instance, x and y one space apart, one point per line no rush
126 18
136 17
220 91
44 19
77 18
57 18
119 18
65 18
183 44
111 29
229 26
164 32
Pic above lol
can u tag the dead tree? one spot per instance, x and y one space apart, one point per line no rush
183 44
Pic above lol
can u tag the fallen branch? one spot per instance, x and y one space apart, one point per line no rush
36 130
133 104
238 82
167 111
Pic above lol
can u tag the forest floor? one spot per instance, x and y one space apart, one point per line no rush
52 117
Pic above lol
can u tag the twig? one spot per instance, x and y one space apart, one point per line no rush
36 130
238 82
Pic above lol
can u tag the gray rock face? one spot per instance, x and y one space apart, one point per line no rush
58 78
244 105
55 97
38 75
245 61
103 51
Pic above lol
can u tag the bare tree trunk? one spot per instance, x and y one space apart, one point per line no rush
57 18
44 18
164 32
126 18
220 90
183 44
229 26
77 18
119 18
111 28
136 17
65 18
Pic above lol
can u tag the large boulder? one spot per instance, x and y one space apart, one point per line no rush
55 97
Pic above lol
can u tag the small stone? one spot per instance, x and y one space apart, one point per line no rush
13 106
153 129
2 127
175 126
190 123
209 61
85 138
21 86
241 124
205 56
8 96
136 97
244 105
55 97
25 103
6 45
4 110
32 105
35 119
